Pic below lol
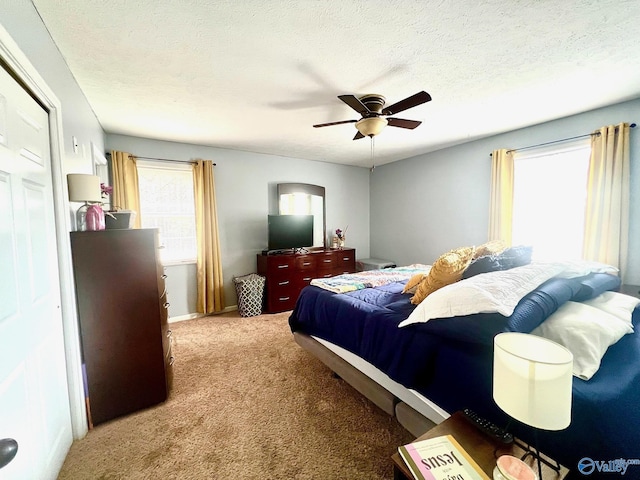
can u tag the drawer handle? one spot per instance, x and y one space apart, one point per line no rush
284 299
307 279
164 276
169 333
327 261
166 305
283 266
306 264
172 360
284 283
346 259
327 275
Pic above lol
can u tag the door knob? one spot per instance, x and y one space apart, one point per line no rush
8 450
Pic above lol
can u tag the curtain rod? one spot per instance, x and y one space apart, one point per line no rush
161 159
633 125
165 160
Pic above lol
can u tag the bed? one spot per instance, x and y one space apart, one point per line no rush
423 370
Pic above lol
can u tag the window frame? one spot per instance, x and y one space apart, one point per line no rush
583 144
169 166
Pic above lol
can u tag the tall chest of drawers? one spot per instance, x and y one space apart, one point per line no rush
123 320
288 273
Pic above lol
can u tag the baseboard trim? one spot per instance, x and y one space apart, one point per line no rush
191 316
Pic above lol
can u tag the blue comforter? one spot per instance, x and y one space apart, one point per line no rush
450 360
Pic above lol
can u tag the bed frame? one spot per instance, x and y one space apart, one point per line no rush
412 410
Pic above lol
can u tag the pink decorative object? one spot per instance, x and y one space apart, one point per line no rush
95 218
512 468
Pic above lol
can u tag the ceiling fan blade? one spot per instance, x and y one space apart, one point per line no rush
358 136
355 103
409 102
334 123
402 123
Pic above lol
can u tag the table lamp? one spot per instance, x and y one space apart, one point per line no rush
83 188
532 379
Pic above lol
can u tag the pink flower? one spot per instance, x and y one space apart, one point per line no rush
105 190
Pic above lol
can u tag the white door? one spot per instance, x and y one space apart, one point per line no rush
34 400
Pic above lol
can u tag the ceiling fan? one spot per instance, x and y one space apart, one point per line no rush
373 111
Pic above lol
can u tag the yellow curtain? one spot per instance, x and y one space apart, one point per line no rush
126 195
209 267
607 212
501 202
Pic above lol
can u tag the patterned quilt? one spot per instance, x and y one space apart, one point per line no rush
350 282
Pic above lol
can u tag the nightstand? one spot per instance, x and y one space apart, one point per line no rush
482 448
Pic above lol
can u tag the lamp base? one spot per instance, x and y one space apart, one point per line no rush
535 453
81 218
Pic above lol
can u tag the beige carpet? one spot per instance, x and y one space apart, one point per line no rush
247 403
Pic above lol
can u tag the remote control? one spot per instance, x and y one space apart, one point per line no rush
487 427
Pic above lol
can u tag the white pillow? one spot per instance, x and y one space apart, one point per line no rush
484 293
580 268
497 291
618 304
585 331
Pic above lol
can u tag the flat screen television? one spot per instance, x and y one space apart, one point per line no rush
290 232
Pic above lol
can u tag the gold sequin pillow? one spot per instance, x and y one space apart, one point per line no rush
447 269
413 283
490 248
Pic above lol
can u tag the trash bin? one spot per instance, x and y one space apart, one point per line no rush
250 290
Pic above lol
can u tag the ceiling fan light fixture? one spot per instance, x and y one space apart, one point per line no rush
371 126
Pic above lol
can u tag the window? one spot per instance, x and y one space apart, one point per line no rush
549 199
101 169
167 203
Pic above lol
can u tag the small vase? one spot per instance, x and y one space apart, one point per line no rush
341 242
95 218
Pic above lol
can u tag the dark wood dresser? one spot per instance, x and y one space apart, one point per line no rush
122 310
288 273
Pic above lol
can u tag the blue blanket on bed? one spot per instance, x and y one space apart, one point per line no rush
450 360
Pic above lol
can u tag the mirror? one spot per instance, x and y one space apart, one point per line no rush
305 199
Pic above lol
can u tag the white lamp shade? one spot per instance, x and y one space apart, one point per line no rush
532 379
84 188
371 126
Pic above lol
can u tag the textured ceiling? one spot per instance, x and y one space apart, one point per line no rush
255 75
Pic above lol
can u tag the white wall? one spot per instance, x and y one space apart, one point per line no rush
426 205
23 23
245 194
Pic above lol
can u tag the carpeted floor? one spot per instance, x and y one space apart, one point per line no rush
247 403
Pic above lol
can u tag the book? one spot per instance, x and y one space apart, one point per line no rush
440 458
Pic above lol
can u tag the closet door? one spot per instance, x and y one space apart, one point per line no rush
34 400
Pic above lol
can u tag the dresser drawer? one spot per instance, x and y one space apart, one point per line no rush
280 300
325 264
277 264
302 279
164 308
169 360
281 283
345 262
305 263
167 341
